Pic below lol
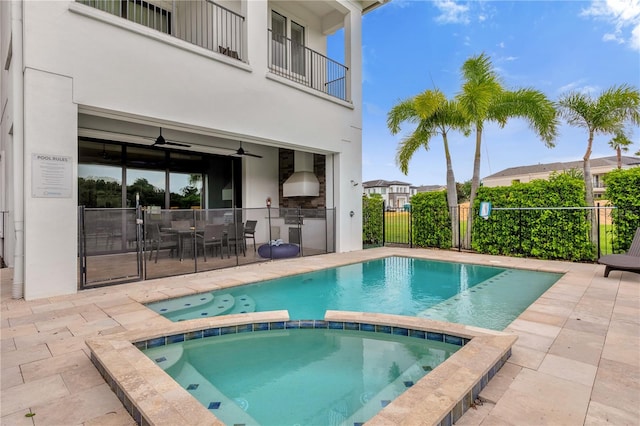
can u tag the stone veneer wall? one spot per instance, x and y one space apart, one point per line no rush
286 168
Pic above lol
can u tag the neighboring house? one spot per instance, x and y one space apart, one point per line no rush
599 167
431 188
88 87
394 193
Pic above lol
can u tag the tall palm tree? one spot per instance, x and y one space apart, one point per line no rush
434 114
484 99
606 114
620 143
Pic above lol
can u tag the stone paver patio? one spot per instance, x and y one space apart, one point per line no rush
576 360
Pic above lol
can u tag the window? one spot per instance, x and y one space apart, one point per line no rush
287 44
278 40
297 48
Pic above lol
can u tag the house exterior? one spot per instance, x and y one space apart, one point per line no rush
599 167
89 86
394 193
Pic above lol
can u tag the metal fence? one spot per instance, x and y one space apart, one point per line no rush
546 232
123 245
199 22
305 66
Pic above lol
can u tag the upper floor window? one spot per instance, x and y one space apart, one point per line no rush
288 41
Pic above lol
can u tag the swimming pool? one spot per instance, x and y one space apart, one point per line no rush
483 296
310 376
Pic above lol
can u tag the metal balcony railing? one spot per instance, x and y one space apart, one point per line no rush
305 66
200 22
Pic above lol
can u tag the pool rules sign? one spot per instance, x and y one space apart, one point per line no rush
51 176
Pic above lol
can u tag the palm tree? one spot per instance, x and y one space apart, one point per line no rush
620 143
606 114
434 114
484 99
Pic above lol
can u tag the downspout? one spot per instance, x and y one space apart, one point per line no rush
18 147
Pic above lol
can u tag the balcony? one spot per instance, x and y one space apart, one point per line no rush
305 66
199 22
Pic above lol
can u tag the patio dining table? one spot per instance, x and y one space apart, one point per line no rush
182 234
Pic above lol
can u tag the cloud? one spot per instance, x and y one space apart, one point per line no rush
624 15
580 87
501 45
452 12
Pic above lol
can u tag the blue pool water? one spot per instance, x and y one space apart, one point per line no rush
482 296
299 377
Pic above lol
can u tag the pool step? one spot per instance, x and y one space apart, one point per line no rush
165 356
223 304
499 299
172 305
219 305
371 404
244 304
228 410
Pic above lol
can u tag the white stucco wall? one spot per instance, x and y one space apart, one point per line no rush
50 223
80 59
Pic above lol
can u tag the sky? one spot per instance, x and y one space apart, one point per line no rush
553 46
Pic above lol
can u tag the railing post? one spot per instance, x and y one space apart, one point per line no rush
597 208
459 229
384 224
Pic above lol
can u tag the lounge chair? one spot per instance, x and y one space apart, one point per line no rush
629 262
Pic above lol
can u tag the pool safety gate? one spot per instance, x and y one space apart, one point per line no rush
119 245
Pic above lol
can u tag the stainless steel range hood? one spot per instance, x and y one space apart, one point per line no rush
302 183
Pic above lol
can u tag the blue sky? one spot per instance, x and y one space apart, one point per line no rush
553 46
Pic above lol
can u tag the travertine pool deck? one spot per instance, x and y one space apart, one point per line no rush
576 360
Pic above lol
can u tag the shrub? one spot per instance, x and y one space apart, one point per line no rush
549 233
372 216
431 225
623 192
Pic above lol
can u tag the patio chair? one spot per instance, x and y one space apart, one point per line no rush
235 238
212 237
629 262
250 232
161 241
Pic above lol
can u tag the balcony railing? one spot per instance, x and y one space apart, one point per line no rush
305 66
200 22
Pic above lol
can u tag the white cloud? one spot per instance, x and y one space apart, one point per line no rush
612 37
570 86
624 15
501 45
580 87
452 12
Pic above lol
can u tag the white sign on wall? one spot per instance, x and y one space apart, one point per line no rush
51 176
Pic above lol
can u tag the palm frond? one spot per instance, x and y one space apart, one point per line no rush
401 112
409 145
531 105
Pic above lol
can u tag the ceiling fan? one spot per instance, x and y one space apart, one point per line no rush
161 141
240 151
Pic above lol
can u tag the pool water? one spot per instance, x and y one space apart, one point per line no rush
299 376
482 296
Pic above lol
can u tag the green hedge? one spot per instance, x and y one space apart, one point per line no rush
545 234
623 192
372 216
431 225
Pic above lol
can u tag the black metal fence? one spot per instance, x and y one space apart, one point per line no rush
549 233
305 66
199 22
123 245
